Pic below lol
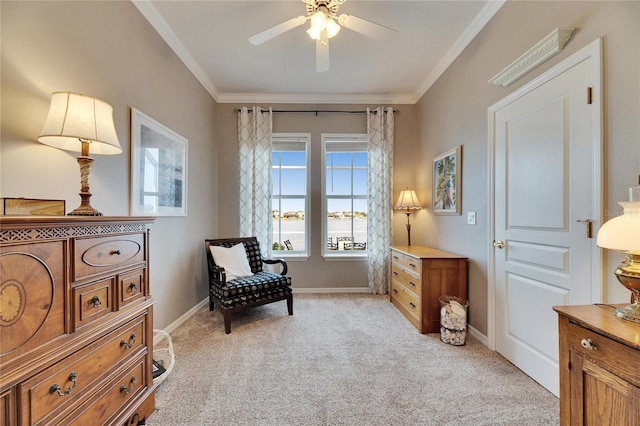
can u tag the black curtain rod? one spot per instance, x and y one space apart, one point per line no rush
318 111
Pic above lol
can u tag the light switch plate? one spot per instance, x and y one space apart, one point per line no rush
471 218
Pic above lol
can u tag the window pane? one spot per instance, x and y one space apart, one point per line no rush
291 225
275 178
359 182
360 159
293 181
337 159
338 182
293 158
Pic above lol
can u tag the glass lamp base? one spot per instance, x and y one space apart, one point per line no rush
629 313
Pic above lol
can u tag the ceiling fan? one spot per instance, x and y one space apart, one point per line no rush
325 24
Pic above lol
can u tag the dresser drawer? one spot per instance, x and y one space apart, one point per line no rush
407 299
131 287
113 398
57 389
409 262
412 282
93 301
104 254
619 359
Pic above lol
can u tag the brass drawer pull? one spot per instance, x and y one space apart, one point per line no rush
126 390
96 301
395 291
395 258
133 288
132 342
412 305
395 274
56 387
412 284
588 344
412 265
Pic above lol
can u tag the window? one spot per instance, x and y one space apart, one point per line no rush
290 202
345 178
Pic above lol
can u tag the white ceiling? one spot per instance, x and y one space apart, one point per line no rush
211 39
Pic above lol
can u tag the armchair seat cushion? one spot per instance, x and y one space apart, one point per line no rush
261 286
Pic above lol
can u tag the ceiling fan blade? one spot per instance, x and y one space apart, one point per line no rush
272 32
322 56
368 28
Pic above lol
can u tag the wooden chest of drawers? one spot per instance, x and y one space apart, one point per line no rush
598 362
76 328
419 276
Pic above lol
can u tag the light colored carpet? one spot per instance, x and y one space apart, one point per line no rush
339 360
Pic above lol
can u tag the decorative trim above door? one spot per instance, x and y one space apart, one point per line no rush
544 50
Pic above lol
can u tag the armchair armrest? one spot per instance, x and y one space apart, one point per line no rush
219 276
280 261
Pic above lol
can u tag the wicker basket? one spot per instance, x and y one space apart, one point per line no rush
164 355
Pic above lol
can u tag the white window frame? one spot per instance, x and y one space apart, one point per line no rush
278 143
351 141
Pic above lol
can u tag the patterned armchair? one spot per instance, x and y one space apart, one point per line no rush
246 292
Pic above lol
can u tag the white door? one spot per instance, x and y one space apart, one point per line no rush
546 185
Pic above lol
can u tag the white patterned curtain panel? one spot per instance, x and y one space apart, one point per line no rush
254 143
380 129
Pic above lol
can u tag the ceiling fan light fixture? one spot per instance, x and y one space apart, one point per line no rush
319 20
314 33
332 28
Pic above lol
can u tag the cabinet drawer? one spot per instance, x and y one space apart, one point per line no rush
113 398
93 301
406 261
406 298
607 353
131 287
57 389
101 255
411 281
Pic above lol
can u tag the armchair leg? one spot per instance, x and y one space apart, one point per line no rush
290 304
226 315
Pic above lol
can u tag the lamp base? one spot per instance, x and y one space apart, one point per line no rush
85 209
629 313
629 276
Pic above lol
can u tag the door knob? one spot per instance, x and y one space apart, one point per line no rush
499 244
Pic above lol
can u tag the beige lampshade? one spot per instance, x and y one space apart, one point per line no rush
622 233
408 200
73 117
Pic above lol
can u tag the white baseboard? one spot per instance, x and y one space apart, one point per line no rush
331 290
184 318
479 336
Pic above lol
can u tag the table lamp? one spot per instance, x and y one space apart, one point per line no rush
622 233
408 200
80 123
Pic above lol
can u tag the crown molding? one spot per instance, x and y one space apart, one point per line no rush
474 28
151 14
313 98
544 50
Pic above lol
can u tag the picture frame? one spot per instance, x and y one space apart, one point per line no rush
447 182
158 168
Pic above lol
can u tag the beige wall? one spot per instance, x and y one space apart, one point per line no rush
454 111
109 51
314 272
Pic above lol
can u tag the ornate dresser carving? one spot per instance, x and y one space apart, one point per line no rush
76 329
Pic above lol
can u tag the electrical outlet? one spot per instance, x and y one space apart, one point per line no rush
471 218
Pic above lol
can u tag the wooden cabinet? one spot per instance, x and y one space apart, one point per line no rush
599 367
419 276
76 328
